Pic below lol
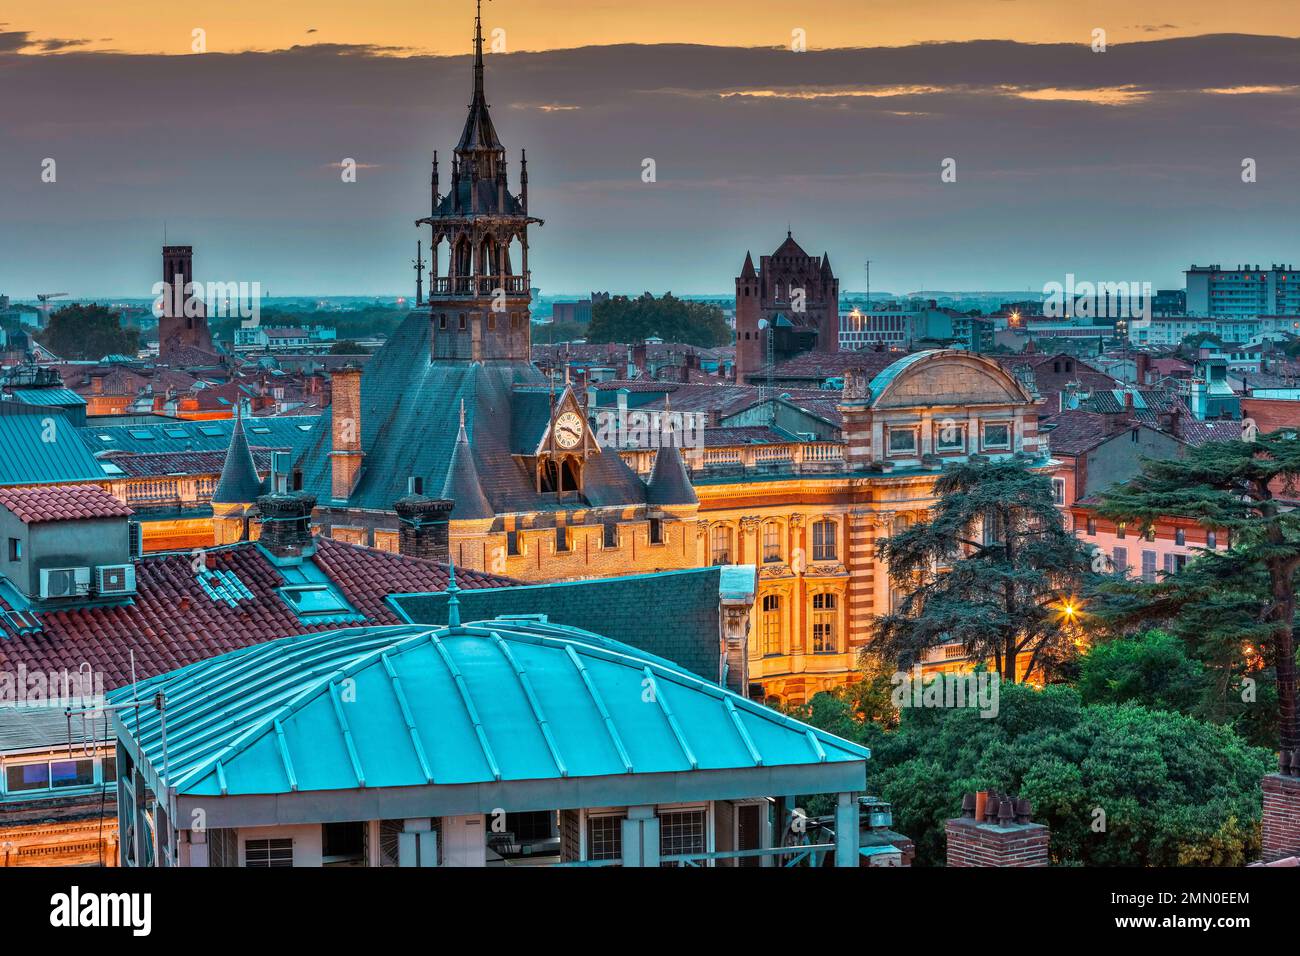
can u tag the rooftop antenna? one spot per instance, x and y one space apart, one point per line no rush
453 601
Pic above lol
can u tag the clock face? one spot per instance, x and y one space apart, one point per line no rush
568 430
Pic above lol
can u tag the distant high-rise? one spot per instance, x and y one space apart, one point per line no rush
799 297
1243 292
183 324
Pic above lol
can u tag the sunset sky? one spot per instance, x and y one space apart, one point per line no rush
1123 165
439 26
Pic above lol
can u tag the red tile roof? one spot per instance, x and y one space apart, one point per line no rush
173 620
62 503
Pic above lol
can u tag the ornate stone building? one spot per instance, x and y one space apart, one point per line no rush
790 304
452 410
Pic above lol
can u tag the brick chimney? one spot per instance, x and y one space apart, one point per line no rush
286 525
996 831
1282 809
345 431
1142 362
423 529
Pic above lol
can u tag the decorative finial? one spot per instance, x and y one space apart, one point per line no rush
453 601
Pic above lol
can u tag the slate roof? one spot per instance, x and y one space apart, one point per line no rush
184 463
618 604
669 484
462 486
179 436
62 503
180 615
410 408
239 482
494 702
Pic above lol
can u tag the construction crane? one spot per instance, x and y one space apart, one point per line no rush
45 298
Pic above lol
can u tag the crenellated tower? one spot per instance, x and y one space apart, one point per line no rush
479 284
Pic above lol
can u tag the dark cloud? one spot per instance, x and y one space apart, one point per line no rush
1122 165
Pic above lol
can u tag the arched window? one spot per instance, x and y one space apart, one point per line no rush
771 542
824 540
824 620
770 628
720 544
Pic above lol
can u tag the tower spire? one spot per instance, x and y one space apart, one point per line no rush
478 50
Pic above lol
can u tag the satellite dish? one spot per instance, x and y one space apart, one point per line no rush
762 324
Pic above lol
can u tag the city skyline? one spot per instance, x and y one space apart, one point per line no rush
1122 165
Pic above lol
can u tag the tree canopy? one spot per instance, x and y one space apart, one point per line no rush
620 319
1236 609
1119 785
82 332
993 568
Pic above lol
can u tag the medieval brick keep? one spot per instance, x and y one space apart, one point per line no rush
1281 817
183 324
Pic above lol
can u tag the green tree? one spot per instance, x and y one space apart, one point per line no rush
1151 668
1239 603
347 347
83 332
1119 785
993 568
620 319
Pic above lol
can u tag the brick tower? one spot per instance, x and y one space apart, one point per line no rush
183 323
798 296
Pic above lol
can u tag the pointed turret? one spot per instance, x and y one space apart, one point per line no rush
239 484
826 266
669 483
747 271
462 485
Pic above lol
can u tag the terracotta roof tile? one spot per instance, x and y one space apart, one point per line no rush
61 503
173 620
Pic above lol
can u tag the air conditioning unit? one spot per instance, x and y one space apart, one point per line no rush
64 582
115 579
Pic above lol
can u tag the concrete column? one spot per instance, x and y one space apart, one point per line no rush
846 829
417 844
641 837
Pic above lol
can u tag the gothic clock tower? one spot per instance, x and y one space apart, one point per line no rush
479 284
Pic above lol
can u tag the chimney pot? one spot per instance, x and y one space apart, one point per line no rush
1006 813
1024 810
968 806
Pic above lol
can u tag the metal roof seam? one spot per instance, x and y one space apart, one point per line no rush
600 708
